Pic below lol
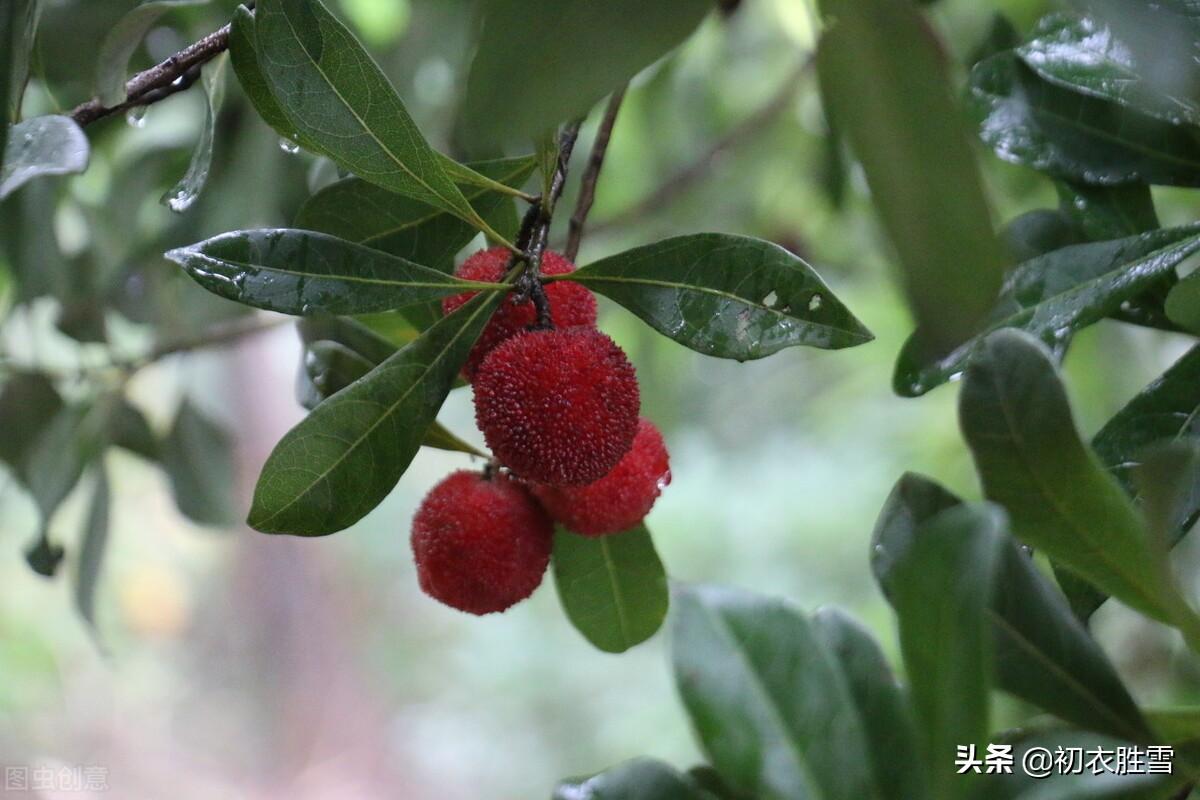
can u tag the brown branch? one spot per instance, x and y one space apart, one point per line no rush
683 179
172 75
587 186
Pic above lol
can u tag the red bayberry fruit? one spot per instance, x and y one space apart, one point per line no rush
619 500
481 544
570 303
558 407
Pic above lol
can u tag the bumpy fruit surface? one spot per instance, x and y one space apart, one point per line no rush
619 500
558 407
481 544
570 303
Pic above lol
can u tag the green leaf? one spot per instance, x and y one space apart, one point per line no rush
640 779
1084 55
364 339
91 549
886 86
880 702
1183 303
300 272
941 590
361 212
183 195
726 296
1038 232
41 146
331 366
343 459
1043 654
243 53
541 62
337 98
18 25
197 455
122 40
1017 421
1108 212
28 404
128 429
58 455
1055 295
612 588
1028 121
766 698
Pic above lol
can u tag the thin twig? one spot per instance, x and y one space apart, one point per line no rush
215 336
591 173
172 75
678 183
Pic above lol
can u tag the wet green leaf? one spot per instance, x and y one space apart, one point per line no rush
183 195
1036 124
1043 654
122 40
41 146
1055 295
337 98
887 88
640 779
942 587
300 272
612 588
539 63
1017 421
766 698
91 548
1085 55
726 296
880 702
197 455
1108 212
343 459
360 212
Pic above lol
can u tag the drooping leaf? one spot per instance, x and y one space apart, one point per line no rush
300 272
28 403
243 53
122 40
184 194
331 366
726 296
767 698
886 85
343 459
880 702
91 548
129 430
583 51
40 146
1085 55
197 455
1030 122
361 212
942 588
337 98
1055 295
1043 654
18 24
613 588
1183 303
363 339
1017 421
1108 212
1038 232
640 779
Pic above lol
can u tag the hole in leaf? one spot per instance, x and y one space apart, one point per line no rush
814 302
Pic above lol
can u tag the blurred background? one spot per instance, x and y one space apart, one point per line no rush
226 663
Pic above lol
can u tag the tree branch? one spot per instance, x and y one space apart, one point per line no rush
587 186
683 179
172 75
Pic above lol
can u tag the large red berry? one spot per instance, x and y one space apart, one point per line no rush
558 407
570 303
481 544
619 500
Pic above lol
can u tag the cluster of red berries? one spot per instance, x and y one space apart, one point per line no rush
559 409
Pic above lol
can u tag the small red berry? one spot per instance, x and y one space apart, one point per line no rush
619 500
558 407
481 544
570 303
